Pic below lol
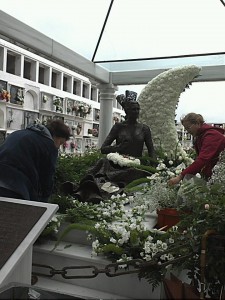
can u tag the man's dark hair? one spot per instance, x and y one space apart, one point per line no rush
57 128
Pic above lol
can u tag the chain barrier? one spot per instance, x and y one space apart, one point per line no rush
110 270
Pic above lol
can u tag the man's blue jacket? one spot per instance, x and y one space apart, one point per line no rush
27 163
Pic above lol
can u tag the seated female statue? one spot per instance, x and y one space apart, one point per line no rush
129 138
130 135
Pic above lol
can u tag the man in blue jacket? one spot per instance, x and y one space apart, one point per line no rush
28 158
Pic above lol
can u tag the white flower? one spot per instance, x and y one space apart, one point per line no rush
97 225
207 206
162 95
112 240
108 187
122 160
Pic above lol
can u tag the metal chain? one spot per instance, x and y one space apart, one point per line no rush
110 270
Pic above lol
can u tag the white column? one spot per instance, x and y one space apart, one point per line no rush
106 96
3 58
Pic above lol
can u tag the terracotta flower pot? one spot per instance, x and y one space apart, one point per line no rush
167 217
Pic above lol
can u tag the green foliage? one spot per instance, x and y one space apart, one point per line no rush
94 212
64 202
128 237
149 169
136 183
111 248
74 226
147 160
134 238
74 168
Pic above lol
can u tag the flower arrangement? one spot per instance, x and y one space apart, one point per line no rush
52 228
5 95
78 128
87 109
70 104
84 109
59 108
72 145
95 132
57 101
171 163
116 119
162 94
120 232
37 121
123 160
75 108
19 96
45 98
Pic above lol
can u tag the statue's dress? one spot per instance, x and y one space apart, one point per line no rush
129 139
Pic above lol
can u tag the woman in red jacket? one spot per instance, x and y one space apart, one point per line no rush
209 142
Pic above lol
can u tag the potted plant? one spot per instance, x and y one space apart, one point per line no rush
167 202
165 197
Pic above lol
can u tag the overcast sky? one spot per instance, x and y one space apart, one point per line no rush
205 98
70 22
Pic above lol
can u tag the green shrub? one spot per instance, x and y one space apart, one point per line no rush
74 168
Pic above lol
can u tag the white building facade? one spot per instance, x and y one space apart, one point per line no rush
34 89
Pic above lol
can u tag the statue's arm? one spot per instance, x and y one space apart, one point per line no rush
106 146
149 142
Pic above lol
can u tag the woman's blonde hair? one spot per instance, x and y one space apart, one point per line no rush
192 118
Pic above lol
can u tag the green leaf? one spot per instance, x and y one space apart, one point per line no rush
112 248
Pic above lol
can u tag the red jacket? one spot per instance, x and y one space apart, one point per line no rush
210 141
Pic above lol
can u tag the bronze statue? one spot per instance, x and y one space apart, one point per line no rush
130 137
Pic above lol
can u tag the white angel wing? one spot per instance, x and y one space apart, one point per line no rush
158 101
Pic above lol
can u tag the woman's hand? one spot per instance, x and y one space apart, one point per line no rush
175 180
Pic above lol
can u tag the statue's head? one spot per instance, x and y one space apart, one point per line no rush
128 101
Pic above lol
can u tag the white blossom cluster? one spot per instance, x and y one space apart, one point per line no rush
122 160
151 248
159 100
154 195
218 175
160 195
119 233
171 165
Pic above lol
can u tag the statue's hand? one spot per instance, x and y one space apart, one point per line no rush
123 146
